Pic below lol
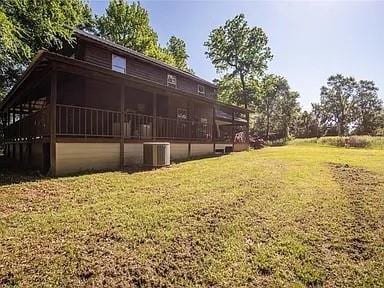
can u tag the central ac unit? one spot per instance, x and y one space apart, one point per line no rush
157 154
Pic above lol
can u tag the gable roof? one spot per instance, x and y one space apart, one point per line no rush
93 38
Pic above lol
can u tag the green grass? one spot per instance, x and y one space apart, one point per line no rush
293 216
369 142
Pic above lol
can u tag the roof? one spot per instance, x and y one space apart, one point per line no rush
85 35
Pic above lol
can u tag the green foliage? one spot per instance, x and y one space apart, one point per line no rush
371 142
177 48
369 107
349 106
128 24
239 51
229 90
276 106
337 101
29 25
306 125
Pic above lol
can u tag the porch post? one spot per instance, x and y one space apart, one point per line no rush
189 127
214 128
122 131
247 131
233 131
52 118
154 116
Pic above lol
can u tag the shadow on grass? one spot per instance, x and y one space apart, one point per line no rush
13 173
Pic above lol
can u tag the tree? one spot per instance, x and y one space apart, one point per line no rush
27 26
240 51
369 107
289 108
338 102
128 25
177 48
228 90
271 93
306 125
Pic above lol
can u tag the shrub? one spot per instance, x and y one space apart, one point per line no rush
333 141
358 142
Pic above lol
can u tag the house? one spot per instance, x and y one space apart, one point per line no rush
92 105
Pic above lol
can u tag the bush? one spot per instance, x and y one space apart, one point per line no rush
358 142
333 141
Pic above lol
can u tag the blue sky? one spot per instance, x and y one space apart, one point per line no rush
310 40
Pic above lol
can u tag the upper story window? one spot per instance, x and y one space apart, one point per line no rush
119 63
171 80
200 89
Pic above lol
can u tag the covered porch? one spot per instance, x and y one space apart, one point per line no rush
61 102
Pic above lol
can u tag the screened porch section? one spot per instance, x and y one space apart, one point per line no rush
90 108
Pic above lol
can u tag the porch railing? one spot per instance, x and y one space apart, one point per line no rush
30 127
90 122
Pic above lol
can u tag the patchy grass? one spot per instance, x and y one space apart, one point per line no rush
287 216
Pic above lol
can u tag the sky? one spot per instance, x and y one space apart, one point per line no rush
310 40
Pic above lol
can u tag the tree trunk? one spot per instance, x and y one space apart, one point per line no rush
268 124
244 91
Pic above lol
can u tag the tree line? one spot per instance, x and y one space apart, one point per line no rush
347 106
239 52
241 55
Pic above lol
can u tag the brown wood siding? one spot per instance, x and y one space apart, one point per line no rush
135 67
98 56
146 71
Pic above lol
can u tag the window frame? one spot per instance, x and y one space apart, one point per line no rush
198 89
171 83
118 68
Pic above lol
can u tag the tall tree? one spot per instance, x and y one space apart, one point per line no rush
27 26
338 102
270 92
239 51
307 124
177 48
368 109
289 108
128 25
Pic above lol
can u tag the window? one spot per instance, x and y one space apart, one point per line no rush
200 89
119 63
171 80
181 114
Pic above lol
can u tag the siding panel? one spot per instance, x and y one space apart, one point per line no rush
201 149
179 151
75 157
133 154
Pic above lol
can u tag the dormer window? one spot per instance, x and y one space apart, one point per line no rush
119 64
200 89
171 80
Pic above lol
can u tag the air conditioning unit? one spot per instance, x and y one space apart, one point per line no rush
157 154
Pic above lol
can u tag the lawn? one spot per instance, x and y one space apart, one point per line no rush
286 216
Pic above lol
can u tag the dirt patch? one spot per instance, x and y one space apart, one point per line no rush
359 185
